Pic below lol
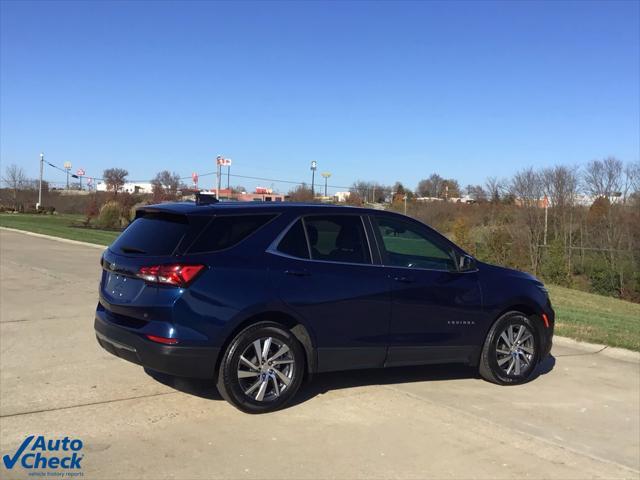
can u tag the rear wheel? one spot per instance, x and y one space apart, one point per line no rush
262 368
511 350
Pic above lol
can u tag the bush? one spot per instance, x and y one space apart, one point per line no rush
604 281
555 267
110 215
91 210
462 235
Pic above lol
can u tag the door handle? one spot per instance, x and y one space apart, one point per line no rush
404 279
297 273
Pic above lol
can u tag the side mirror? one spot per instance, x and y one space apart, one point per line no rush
466 263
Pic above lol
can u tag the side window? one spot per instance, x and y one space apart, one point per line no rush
226 231
337 238
407 246
294 242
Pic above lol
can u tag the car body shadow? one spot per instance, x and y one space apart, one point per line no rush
322 383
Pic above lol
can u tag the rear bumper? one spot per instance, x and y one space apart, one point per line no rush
195 362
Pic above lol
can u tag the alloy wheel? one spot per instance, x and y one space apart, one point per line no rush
265 369
515 349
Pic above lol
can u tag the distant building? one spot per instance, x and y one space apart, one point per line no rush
129 187
260 195
428 199
342 196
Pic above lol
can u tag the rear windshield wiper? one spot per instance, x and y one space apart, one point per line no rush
131 250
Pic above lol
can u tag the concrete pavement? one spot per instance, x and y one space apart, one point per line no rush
579 419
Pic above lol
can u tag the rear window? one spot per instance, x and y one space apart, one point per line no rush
152 234
227 231
337 238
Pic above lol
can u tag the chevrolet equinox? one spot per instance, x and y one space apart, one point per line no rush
261 295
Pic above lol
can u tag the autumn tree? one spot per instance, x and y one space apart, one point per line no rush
494 188
477 193
165 186
15 179
431 186
115 178
526 187
301 193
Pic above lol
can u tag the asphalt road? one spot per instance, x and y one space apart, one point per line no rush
579 419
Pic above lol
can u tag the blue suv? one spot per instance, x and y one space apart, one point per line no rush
262 295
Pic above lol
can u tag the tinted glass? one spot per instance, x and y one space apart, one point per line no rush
337 238
408 246
153 234
294 243
227 231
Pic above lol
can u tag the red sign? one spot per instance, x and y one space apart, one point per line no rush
194 177
80 172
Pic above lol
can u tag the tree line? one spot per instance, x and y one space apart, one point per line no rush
587 237
590 238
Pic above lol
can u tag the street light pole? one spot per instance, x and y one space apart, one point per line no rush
67 167
314 165
326 176
40 186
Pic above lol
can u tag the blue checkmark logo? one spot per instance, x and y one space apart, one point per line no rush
10 462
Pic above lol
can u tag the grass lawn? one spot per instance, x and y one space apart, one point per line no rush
57 226
594 318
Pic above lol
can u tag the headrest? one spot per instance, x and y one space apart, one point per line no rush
348 238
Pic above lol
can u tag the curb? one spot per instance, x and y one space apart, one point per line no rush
57 239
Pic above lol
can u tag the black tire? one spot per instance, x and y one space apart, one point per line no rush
232 388
494 348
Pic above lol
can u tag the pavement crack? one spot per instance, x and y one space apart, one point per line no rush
86 404
583 354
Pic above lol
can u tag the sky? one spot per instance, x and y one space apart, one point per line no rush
372 91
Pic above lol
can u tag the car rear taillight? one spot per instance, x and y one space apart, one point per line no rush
176 274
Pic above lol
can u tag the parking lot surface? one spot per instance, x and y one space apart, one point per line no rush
579 419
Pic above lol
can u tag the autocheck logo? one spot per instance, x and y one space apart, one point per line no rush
40 453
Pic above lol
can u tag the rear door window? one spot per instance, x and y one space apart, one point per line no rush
152 234
227 231
337 238
294 243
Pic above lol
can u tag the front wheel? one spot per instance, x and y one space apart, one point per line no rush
511 350
262 368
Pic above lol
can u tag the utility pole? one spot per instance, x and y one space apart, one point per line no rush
405 203
40 187
546 209
314 166
326 176
228 175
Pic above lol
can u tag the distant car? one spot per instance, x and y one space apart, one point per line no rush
262 295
